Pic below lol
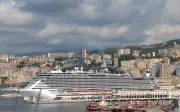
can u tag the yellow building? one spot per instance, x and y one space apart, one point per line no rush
166 60
127 65
135 71
177 53
141 64
149 64
155 60
146 63
95 57
164 81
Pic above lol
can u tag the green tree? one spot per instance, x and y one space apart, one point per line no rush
53 65
95 51
172 60
19 66
59 59
22 63
93 62
110 51
126 57
36 64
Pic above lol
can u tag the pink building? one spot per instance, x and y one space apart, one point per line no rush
83 53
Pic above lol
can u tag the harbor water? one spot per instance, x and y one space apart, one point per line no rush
18 105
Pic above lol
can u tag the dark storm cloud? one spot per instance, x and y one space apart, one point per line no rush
33 25
49 7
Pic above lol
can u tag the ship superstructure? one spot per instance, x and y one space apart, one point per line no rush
84 80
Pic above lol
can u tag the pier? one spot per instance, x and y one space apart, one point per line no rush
146 95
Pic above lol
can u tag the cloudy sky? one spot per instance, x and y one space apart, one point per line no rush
42 25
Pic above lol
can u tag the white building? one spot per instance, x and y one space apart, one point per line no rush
6 72
124 51
162 52
4 57
153 54
107 56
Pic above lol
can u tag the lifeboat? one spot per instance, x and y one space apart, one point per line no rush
103 105
148 104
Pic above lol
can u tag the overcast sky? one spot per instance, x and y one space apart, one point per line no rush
42 25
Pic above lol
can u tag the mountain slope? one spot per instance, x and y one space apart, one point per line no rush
153 47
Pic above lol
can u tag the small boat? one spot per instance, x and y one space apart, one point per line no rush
92 107
148 104
160 104
101 106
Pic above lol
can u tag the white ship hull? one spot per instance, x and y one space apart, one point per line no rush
35 95
32 96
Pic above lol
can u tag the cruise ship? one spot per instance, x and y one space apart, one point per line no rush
78 86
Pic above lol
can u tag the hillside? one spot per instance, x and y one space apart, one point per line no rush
153 47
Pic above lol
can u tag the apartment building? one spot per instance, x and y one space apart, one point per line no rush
124 51
127 65
136 53
4 57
